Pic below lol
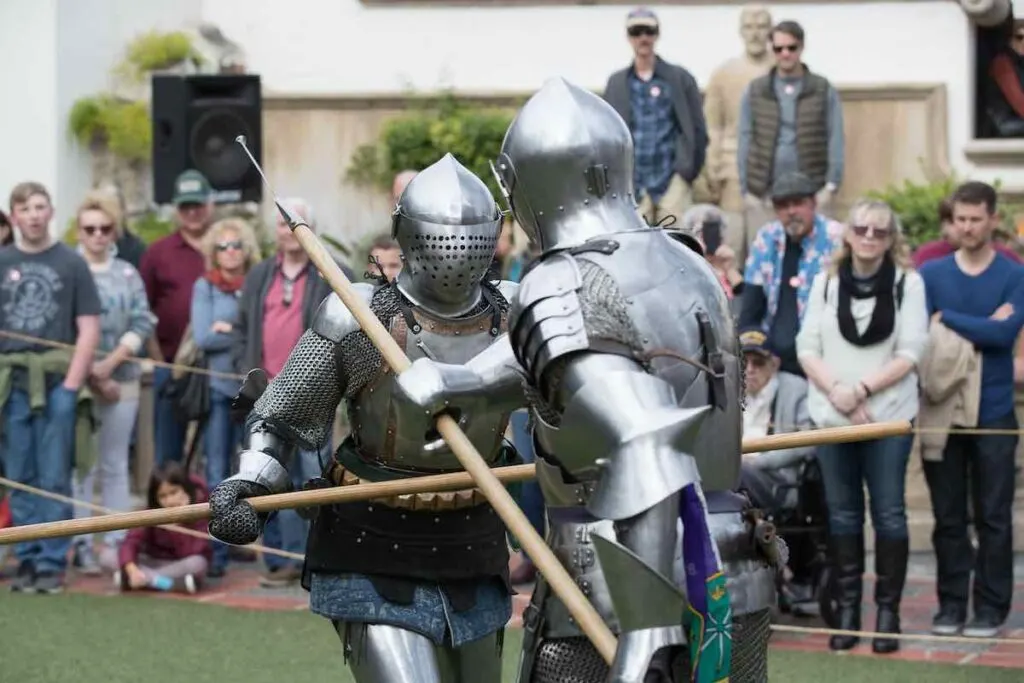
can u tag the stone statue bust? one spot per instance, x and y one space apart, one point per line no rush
722 107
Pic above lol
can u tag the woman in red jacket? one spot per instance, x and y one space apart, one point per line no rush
162 559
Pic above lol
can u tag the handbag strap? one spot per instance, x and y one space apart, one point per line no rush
194 446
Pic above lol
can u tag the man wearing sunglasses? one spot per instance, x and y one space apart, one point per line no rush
662 105
791 121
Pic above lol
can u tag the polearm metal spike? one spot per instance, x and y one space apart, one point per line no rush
293 219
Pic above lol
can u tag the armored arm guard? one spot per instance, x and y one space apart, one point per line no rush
298 406
492 378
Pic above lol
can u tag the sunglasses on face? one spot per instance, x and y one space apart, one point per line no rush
863 230
757 360
779 49
234 244
106 230
637 31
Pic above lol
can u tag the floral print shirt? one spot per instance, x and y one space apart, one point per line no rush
764 263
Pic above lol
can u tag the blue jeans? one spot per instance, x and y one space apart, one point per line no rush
286 530
223 435
882 464
39 451
353 598
168 431
531 498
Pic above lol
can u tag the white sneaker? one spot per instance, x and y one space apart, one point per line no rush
187 584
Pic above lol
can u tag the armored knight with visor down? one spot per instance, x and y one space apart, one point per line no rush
635 383
416 586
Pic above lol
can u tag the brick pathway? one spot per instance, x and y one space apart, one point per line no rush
240 589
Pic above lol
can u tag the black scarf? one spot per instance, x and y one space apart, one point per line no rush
883 318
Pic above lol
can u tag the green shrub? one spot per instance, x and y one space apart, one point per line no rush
415 140
917 205
121 125
152 51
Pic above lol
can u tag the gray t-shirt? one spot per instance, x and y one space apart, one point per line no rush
787 91
42 294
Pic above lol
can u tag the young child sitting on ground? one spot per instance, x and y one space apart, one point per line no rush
163 559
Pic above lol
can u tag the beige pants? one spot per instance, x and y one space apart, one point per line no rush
754 218
676 200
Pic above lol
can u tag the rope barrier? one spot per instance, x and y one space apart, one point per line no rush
974 431
139 360
107 511
781 628
926 637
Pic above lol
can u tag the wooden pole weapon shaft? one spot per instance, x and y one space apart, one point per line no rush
399 487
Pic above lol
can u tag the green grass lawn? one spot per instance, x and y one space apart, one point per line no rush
87 639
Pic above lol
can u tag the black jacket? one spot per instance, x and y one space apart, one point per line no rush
247 345
692 143
130 248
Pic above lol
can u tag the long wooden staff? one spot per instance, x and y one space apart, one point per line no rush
400 487
547 564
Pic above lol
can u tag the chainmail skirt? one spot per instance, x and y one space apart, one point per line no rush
574 660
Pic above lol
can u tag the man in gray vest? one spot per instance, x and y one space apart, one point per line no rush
662 105
791 120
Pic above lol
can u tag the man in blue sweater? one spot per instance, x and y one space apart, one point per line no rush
979 294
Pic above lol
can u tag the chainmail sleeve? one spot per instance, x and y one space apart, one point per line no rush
299 404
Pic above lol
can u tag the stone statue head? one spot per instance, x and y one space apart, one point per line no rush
756 29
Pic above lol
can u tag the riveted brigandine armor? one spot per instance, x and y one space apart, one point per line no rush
414 583
636 390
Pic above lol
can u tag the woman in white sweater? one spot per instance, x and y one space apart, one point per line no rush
862 336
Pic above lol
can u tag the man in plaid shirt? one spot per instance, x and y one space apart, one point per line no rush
662 105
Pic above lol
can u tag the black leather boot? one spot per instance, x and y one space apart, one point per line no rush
848 563
891 570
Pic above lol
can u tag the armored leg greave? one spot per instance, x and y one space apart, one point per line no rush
379 653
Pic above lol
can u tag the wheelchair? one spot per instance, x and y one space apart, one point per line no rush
804 528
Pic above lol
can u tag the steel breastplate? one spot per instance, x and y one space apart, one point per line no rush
377 431
665 286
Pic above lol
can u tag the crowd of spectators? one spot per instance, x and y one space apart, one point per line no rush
839 321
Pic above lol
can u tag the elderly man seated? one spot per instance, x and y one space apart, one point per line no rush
776 402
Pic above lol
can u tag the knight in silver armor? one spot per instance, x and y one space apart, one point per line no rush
415 585
635 383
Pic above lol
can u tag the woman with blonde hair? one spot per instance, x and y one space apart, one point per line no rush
230 249
126 324
862 337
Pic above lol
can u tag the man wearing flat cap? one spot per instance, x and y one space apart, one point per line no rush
775 402
662 105
784 257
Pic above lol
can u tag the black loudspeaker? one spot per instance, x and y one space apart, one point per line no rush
195 122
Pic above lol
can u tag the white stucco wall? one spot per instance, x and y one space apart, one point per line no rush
341 46
28 82
65 48
55 52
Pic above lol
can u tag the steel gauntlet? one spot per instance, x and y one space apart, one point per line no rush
261 471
